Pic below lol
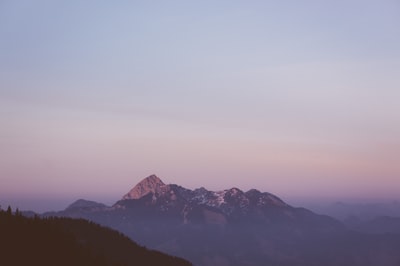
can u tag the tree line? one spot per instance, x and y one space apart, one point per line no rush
66 241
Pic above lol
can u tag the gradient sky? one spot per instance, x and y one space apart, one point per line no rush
298 98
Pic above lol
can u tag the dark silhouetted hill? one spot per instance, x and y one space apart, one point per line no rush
66 241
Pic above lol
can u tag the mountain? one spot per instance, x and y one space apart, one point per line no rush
358 211
235 227
65 241
379 225
152 197
82 204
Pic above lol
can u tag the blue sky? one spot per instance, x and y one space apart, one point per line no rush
298 98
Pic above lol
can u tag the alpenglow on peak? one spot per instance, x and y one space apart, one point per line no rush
151 183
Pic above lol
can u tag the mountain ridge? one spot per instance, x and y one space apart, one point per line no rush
233 227
226 201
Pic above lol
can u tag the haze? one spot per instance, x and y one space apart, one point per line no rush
297 98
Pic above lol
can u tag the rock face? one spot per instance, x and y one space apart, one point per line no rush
151 184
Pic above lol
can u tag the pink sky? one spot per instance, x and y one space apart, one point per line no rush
301 101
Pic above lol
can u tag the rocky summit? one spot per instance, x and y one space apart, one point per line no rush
151 184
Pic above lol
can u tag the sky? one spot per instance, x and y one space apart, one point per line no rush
297 98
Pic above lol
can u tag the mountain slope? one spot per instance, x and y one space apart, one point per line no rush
379 225
64 241
233 227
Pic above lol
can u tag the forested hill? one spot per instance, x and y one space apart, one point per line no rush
65 241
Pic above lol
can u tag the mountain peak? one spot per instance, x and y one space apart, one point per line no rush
85 204
151 183
154 178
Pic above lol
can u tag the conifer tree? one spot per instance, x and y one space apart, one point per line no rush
9 211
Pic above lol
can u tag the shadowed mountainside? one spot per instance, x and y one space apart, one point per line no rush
65 241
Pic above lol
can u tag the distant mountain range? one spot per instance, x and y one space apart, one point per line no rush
232 227
361 211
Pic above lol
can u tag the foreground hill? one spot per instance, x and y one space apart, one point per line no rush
233 227
65 241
